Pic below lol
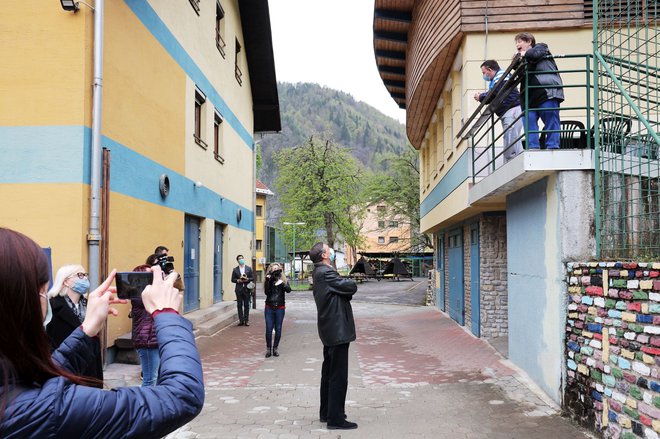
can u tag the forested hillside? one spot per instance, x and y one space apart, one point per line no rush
310 109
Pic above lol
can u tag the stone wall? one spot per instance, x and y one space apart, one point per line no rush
613 348
494 288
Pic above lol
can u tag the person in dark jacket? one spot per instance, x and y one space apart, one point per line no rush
508 110
546 98
144 338
69 305
41 396
275 287
242 276
336 327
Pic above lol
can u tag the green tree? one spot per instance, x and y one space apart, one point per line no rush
318 183
398 188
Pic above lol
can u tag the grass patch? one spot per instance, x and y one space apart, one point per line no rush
300 287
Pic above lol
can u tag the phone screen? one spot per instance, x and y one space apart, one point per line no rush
130 284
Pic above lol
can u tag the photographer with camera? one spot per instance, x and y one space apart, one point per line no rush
242 276
275 287
44 396
166 263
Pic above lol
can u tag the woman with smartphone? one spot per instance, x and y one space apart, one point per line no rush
44 396
69 305
275 287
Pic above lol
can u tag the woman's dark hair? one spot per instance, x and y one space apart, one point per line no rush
24 349
151 260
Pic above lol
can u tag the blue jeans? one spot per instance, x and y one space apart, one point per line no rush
150 361
550 118
274 318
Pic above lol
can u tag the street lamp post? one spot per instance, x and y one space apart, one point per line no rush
293 263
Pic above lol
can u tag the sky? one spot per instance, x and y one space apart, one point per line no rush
330 42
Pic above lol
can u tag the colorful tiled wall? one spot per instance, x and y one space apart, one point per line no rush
613 348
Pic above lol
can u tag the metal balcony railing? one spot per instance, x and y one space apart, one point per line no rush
483 128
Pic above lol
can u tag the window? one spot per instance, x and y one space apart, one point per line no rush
394 239
200 99
258 245
217 138
237 70
195 5
219 27
394 224
260 211
381 224
381 240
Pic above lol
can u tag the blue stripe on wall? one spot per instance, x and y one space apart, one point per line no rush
159 30
62 155
452 179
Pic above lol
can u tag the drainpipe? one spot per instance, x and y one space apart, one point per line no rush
94 233
254 220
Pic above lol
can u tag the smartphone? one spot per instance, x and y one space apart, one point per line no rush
130 284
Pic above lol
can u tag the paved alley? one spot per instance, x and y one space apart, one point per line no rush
414 373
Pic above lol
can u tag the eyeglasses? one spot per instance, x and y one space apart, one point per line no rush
80 275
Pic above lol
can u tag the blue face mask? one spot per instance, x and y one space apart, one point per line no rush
81 286
486 78
332 255
241 261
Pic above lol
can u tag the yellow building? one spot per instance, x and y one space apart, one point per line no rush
186 85
260 228
384 232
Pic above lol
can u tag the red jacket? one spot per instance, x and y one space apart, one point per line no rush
144 333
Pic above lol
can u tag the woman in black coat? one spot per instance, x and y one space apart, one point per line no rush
275 287
69 305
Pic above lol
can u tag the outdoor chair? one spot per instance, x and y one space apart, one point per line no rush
613 132
573 135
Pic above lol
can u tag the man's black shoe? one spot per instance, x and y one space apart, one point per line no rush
247 323
344 425
240 324
324 419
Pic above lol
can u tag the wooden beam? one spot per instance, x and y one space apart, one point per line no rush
388 14
394 83
398 95
397 37
392 69
394 54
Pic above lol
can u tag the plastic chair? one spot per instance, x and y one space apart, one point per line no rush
613 131
573 135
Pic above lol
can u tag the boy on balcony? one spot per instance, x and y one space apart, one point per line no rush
508 111
543 101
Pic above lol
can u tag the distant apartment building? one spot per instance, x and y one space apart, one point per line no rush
185 86
261 237
384 231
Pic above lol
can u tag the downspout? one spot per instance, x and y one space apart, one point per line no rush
94 233
254 221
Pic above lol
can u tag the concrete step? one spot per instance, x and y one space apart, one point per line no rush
203 315
226 318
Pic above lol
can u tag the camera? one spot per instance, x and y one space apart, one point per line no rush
130 284
166 263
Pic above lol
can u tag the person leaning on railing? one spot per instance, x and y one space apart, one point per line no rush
543 91
508 110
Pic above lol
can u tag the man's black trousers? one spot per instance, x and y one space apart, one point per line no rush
243 304
334 382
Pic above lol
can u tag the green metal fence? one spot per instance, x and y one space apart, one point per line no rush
627 92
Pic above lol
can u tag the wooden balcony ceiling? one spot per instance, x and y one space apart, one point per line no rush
391 23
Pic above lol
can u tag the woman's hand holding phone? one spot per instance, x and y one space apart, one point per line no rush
98 306
162 294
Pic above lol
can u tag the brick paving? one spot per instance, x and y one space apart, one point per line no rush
413 373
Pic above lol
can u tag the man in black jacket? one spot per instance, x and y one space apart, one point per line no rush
242 276
333 295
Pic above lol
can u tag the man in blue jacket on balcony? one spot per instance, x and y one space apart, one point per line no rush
508 111
544 91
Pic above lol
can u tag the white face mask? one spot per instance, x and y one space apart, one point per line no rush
49 311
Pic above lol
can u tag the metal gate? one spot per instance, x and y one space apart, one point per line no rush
440 277
475 285
627 115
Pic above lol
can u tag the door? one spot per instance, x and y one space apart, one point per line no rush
475 294
217 263
191 240
440 258
456 289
